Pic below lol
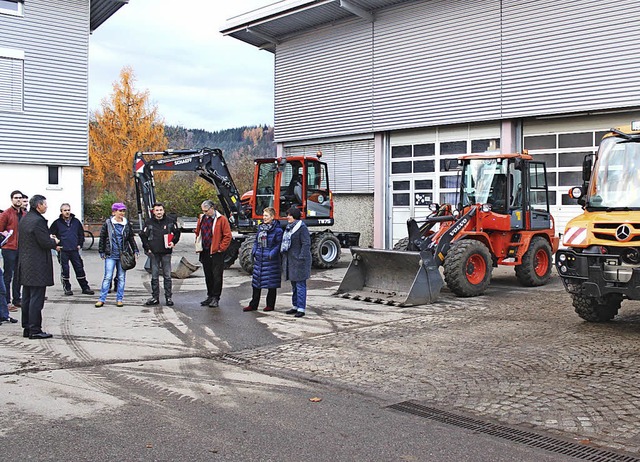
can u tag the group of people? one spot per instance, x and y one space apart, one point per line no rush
27 244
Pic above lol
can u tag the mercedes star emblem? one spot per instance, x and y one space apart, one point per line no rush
623 232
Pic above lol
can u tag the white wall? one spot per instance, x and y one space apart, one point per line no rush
33 179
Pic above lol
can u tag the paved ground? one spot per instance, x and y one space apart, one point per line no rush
518 356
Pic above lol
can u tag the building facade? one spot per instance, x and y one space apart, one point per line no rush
44 58
391 89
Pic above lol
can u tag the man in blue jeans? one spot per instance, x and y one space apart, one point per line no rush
4 308
9 220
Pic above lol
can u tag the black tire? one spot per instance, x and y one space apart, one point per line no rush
231 254
246 259
325 250
597 309
467 268
89 240
535 269
402 245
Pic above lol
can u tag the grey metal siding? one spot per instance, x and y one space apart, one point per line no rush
52 128
564 56
351 163
436 62
323 82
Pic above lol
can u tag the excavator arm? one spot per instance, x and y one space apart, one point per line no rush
208 163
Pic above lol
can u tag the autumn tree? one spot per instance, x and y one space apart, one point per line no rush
125 123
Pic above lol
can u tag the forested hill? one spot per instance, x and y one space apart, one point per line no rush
256 141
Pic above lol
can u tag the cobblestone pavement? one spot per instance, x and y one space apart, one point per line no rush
518 355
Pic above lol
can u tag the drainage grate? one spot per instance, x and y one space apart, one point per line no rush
234 359
531 439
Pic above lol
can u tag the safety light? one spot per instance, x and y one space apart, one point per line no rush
575 192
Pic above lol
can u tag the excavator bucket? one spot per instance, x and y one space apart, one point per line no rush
391 277
183 269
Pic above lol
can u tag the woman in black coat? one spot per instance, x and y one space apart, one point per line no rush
296 260
266 261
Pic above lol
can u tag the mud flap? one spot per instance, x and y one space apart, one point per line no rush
391 277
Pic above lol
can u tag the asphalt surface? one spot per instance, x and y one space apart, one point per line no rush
199 383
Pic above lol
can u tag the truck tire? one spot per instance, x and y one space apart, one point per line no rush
535 269
231 254
402 245
467 268
325 250
246 259
597 309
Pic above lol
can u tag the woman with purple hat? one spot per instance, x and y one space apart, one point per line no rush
116 234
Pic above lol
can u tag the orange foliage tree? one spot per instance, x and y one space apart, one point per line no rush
125 124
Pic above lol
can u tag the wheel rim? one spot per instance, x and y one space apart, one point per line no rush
329 251
476 269
541 263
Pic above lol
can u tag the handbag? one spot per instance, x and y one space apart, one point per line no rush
199 243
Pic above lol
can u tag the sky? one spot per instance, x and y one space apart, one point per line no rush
196 77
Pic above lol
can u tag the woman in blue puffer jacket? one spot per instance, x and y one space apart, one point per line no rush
266 261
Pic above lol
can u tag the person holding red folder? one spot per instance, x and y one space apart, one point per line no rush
159 235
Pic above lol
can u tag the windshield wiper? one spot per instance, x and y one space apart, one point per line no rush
620 209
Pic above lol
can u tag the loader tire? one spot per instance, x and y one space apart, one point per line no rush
535 269
231 254
597 309
325 250
402 245
246 258
467 268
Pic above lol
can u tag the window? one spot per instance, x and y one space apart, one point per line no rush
54 175
11 80
13 7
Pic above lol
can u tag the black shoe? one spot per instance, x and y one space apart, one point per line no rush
207 301
25 333
9 319
299 314
214 303
40 336
68 292
169 302
291 311
88 291
152 301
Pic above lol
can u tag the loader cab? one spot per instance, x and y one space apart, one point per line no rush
511 186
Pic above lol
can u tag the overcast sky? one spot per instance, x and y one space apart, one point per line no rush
197 77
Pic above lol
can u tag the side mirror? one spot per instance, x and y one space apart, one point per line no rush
280 164
587 165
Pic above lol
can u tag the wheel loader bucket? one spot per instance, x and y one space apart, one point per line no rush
391 277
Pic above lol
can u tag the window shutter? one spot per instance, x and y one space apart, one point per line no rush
11 84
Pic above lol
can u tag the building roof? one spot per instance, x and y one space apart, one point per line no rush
267 26
101 10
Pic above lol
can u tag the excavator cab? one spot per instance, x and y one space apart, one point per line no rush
299 181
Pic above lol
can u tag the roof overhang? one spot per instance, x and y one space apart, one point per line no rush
268 26
101 10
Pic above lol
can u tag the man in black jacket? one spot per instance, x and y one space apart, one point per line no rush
68 229
159 235
35 265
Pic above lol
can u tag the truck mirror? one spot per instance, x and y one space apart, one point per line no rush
587 165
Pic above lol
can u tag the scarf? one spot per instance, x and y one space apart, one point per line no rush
288 232
264 232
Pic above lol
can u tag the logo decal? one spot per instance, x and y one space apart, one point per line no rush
623 233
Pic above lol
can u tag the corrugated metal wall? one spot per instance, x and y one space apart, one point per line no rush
436 62
428 63
323 82
351 163
52 129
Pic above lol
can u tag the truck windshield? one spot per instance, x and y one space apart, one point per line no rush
615 181
481 181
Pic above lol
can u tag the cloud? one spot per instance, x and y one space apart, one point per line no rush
197 77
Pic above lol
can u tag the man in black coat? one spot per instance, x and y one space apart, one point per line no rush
159 235
35 265
70 231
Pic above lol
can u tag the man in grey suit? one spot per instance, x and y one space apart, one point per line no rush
35 265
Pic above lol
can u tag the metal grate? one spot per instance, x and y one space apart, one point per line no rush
531 439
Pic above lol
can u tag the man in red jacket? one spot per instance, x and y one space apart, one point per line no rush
9 220
215 232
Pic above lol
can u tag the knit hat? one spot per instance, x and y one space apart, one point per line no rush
118 206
